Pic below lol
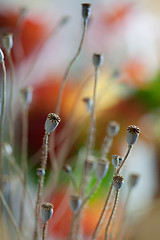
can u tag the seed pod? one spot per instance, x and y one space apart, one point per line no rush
52 122
8 148
86 7
132 134
40 172
7 41
133 180
120 160
115 160
97 59
46 211
27 93
89 163
117 181
112 129
1 56
102 168
88 103
75 203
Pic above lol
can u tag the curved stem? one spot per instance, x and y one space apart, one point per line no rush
10 216
125 157
58 105
12 78
2 118
113 209
24 161
102 214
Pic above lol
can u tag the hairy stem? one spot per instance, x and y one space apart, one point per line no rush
44 231
110 218
125 157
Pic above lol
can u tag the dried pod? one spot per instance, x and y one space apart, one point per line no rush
7 41
52 122
27 93
133 180
132 134
115 160
97 59
88 103
46 211
120 160
86 7
75 203
67 168
89 163
112 129
40 172
117 181
102 168
1 56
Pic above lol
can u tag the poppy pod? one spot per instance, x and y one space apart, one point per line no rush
7 41
40 172
117 181
102 168
1 56
132 134
89 163
75 203
46 211
97 59
86 7
52 122
112 129
133 180
115 160
27 93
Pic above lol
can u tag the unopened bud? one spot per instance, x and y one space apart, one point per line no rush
97 59
40 172
132 134
75 203
52 122
7 41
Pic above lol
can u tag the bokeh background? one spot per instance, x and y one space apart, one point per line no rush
127 33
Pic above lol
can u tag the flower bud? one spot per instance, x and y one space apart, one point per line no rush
88 103
97 59
27 93
133 180
132 134
52 122
89 163
86 11
67 168
112 129
75 203
46 211
102 168
117 181
40 172
7 41
1 56
115 160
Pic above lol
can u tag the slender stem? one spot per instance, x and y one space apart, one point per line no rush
72 228
44 231
24 161
2 118
102 214
73 181
113 209
125 157
41 182
91 133
58 105
12 78
10 216
106 146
